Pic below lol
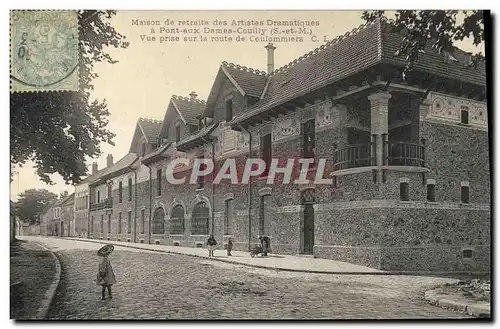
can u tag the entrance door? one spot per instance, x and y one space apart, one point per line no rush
62 228
308 229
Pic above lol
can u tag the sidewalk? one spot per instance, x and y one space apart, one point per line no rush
33 272
449 297
272 262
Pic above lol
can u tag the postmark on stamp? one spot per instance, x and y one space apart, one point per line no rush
44 51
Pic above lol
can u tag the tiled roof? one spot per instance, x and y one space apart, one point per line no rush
188 142
251 81
431 60
152 157
348 54
190 108
150 127
116 168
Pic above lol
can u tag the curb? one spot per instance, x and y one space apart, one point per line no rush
471 309
268 267
44 307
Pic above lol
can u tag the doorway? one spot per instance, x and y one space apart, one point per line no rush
307 234
62 228
308 229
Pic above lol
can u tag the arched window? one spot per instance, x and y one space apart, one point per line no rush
177 220
158 224
199 219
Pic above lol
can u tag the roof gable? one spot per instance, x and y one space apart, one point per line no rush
147 128
248 81
189 109
251 81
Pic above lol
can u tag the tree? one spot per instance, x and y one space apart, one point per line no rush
438 27
59 130
31 203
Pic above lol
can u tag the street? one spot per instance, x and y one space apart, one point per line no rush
154 285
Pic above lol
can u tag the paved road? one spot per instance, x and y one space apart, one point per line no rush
160 286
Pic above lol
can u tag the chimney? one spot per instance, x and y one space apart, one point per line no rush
94 168
109 161
193 95
270 58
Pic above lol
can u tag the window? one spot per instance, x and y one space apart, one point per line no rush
464 117
119 222
467 253
130 189
266 153
98 196
308 139
102 223
228 219
177 220
109 223
201 179
120 192
158 224
109 191
229 110
263 213
177 133
464 195
86 201
129 222
200 124
158 181
431 192
143 149
91 228
199 219
404 191
143 220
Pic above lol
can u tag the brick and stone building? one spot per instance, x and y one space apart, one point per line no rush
405 185
68 216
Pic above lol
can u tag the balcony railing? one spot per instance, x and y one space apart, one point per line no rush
354 156
405 154
106 204
394 154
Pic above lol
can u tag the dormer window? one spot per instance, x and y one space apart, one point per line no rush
143 148
177 133
229 110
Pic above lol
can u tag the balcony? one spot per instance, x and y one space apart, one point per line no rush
405 154
354 156
106 204
402 154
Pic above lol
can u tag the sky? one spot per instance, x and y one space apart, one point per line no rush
149 73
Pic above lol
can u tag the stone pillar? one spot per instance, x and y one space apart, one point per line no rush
379 109
424 112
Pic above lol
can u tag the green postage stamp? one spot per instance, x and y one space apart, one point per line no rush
44 51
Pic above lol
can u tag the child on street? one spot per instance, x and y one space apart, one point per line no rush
105 275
